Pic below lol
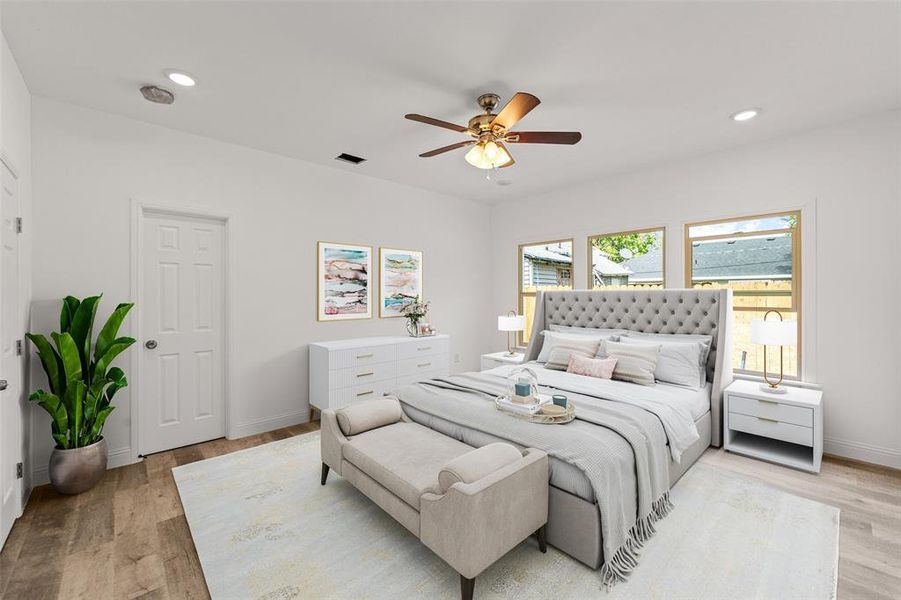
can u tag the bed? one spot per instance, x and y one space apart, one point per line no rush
676 424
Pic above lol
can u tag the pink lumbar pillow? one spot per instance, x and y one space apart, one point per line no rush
601 368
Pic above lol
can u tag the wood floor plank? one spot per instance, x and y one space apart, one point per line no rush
133 520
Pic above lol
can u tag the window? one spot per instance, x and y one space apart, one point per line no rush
542 266
627 259
759 258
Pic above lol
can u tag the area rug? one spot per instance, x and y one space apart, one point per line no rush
265 529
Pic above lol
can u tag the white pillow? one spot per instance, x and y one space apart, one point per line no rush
634 362
705 340
601 332
677 362
571 342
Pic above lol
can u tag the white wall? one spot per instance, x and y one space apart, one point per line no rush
15 148
847 181
88 165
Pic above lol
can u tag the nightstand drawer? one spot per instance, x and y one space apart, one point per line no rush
771 429
771 409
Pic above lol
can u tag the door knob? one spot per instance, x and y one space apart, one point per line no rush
150 344
3 384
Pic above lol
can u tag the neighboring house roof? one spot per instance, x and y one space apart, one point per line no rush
603 266
764 257
553 254
645 267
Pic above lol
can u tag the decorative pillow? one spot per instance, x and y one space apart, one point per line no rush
634 362
602 368
677 362
705 340
560 357
477 464
573 342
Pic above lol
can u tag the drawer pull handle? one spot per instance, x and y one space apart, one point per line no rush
424 365
424 348
365 374
767 401
768 420
365 355
365 393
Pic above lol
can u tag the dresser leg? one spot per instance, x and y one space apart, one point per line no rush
467 587
324 474
542 538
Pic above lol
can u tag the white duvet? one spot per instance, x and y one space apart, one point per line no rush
677 407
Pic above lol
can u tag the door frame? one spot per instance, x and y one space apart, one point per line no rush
140 209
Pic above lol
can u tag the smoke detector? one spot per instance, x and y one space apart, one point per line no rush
157 94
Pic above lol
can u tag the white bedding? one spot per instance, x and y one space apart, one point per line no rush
686 405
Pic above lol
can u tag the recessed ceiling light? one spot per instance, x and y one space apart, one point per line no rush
181 78
745 115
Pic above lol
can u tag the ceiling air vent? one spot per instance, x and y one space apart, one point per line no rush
350 158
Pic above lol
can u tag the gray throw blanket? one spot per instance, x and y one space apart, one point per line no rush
623 454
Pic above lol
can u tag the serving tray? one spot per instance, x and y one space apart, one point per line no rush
540 418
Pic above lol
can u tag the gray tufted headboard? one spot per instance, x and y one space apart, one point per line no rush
651 311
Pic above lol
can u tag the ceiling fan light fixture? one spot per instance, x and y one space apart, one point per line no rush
488 155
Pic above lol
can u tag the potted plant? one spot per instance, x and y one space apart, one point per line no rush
82 385
415 311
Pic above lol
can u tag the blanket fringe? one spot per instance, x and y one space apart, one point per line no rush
617 569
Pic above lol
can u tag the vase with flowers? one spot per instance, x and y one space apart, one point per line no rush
415 312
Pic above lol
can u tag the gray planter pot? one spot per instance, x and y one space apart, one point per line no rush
79 469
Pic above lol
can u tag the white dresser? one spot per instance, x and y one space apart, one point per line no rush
346 371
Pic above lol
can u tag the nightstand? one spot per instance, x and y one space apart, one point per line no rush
781 428
497 359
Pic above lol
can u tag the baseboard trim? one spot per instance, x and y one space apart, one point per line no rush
869 453
117 458
269 424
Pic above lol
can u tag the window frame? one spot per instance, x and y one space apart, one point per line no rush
590 258
796 270
522 294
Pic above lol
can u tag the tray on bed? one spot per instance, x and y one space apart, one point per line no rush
539 417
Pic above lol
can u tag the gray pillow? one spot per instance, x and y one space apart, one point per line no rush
677 362
706 342
569 341
559 358
634 362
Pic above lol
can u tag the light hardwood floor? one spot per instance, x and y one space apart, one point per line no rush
128 538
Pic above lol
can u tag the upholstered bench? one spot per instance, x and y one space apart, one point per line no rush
469 506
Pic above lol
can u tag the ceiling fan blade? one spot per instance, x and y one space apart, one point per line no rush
518 107
543 137
509 164
436 122
444 149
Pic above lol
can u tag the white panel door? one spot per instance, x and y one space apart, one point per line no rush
10 410
182 311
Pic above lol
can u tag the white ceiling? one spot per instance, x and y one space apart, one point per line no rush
643 82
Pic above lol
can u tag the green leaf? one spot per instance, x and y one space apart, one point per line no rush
70 355
110 330
81 328
70 305
54 406
51 362
61 440
118 381
98 423
78 395
116 348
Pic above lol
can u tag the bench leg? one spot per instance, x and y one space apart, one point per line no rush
467 587
542 538
324 474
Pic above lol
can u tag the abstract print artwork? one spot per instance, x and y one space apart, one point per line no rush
344 282
400 275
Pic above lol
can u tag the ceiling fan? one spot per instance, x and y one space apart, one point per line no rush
490 131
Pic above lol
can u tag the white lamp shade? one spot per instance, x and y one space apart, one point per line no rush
511 323
774 333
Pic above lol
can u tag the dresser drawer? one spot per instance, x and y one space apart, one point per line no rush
423 376
421 364
771 429
771 409
359 393
361 375
421 347
355 357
